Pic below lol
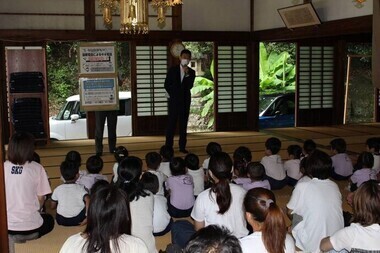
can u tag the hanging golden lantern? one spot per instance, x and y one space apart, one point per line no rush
134 16
108 9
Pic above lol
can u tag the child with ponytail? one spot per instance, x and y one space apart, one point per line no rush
141 200
222 203
268 222
219 205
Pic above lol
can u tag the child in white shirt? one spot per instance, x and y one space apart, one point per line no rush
318 202
161 219
153 160
212 148
120 154
167 154
364 232
292 166
373 146
192 164
274 168
268 222
70 199
341 162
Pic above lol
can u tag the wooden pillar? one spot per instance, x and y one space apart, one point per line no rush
3 209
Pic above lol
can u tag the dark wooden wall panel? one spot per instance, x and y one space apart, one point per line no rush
315 117
232 121
150 125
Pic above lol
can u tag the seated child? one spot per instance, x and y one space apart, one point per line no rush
317 202
274 168
341 162
74 157
192 164
308 147
167 154
365 173
256 174
181 189
153 160
292 166
373 146
364 232
306 174
70 199
268 222
120 154
211 149
94 166
161 218
241 157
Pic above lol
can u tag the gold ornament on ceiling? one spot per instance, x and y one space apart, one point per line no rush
134 14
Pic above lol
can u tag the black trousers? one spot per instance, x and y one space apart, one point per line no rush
100 119
178 113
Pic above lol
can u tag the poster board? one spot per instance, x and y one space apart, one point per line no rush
97 58
98 93
98 80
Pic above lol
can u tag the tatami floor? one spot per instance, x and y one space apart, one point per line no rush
53 154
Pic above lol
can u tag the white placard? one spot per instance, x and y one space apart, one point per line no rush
99 94
97 59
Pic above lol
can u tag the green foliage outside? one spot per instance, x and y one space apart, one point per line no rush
62 73
277 69
203 89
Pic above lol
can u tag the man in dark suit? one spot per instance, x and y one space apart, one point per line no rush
178 83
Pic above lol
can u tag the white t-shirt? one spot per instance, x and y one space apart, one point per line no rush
70 198
142 220
198 179
206 209
304 179
357 237
274 167
205 163
23 185
376 161
254 243
114 169
319 202
161 217
292 168
161 179
127 243
165 168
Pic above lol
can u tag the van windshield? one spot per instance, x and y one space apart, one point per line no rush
66 110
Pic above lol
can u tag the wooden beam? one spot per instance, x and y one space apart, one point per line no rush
28 36
89 15
3 209
342 27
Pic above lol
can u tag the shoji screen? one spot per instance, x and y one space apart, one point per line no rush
232 81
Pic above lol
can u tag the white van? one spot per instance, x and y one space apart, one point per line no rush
71 123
